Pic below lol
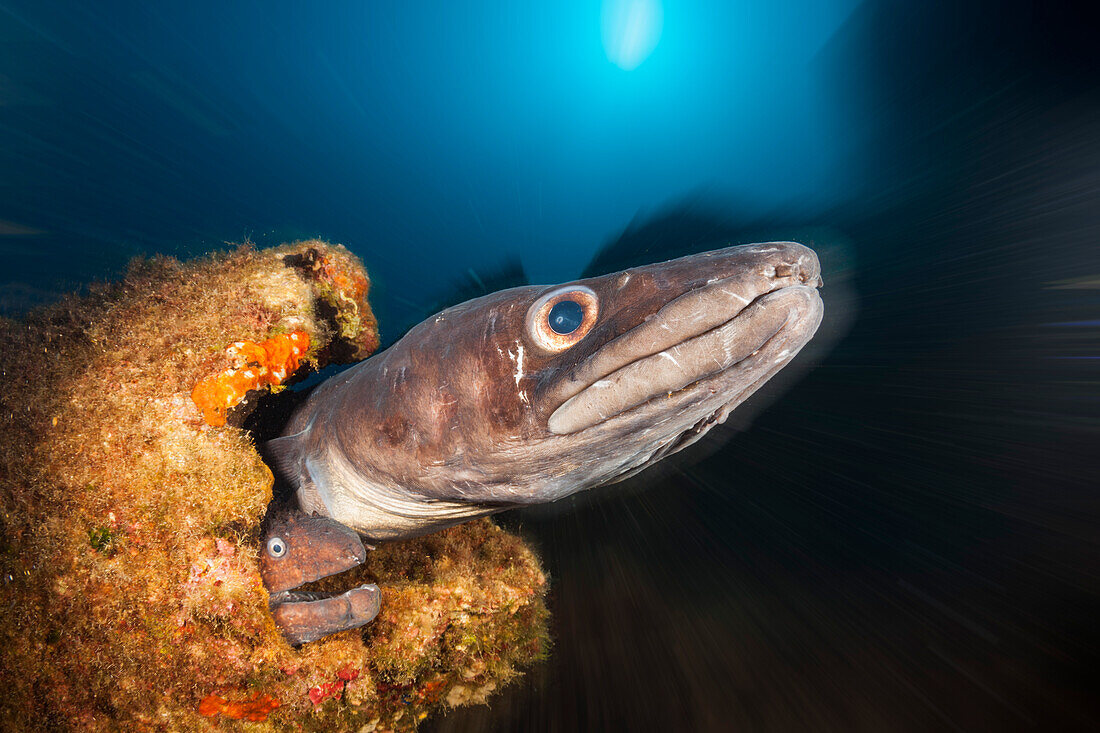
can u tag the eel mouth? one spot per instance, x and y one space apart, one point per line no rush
304 616
299 549
726 338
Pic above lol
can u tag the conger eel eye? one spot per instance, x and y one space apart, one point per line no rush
276 547
562 317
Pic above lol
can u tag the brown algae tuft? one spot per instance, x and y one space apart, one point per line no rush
130 527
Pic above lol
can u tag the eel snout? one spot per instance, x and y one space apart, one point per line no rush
299 549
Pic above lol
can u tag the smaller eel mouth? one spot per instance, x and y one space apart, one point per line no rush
299 549
304 616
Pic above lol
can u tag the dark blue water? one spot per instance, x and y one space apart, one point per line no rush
905 538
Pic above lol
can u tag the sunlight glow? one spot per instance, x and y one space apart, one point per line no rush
630 30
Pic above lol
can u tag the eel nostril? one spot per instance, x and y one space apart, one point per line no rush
783 270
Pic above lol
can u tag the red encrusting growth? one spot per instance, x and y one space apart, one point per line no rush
257 365
325 690
256 708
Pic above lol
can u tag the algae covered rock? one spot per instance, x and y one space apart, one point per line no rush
130 519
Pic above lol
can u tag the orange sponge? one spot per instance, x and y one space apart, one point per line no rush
257 365
256 708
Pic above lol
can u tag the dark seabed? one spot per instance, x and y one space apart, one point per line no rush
899 534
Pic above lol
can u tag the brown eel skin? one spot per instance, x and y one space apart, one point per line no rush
299 549
529 395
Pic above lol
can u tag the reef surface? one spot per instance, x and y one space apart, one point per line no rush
130 509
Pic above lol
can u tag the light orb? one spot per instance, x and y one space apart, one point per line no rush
630 30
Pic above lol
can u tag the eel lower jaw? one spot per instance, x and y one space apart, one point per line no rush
688 437
304 616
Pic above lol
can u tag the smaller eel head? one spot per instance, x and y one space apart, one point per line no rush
299 549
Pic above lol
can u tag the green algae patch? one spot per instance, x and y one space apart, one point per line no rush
130 527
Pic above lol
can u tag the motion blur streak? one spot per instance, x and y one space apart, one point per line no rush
907 540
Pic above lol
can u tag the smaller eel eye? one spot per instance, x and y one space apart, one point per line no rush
562 317
276 547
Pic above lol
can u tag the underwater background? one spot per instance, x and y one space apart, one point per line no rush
899 533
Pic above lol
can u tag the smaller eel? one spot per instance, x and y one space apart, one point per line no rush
299 549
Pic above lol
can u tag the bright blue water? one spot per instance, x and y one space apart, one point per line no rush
430 138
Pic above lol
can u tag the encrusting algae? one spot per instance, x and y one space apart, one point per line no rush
130 512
